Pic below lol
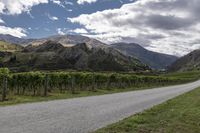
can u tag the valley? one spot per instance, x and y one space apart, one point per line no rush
69 66
99 66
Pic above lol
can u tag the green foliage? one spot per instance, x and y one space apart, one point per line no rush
30 86
33 83
4 71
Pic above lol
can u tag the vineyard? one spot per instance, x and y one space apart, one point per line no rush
46 83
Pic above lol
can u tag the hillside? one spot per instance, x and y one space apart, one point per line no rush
153 59
188 62
54 56
8 47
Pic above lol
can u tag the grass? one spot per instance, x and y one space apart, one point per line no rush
179 115
183 75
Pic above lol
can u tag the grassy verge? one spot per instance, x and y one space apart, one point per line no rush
179 115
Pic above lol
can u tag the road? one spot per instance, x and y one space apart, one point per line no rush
83 115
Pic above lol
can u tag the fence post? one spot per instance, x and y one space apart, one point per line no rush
5 81
46 87
73 83
108 83
93 82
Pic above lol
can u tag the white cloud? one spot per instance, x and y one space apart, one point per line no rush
62 3
2 7
60 32
68 3
14 7
53 18
81 2
79 31
58 2
168 26
1 21
17 31
69 10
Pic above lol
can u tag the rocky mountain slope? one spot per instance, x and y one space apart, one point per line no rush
54 56
188 62
153 59
67 40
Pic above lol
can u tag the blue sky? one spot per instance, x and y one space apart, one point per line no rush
46 19
165 26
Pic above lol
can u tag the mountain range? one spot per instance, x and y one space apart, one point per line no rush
153 59
82 53
54 56
14 40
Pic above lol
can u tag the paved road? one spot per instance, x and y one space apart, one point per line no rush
82 115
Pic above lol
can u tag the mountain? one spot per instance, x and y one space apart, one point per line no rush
54 56
14 40
188 62
153 59
68 40
65 40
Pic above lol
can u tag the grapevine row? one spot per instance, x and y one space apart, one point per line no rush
40 83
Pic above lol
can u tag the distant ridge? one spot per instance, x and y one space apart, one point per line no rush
153 59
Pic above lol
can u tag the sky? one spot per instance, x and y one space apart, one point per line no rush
166 26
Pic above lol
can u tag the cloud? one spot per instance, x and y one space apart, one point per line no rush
81 2
53 18
2 7
62 3
64 31
1 21
69 10
58 2
79 31
17 31
15 7
68 3
168 26
60 31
